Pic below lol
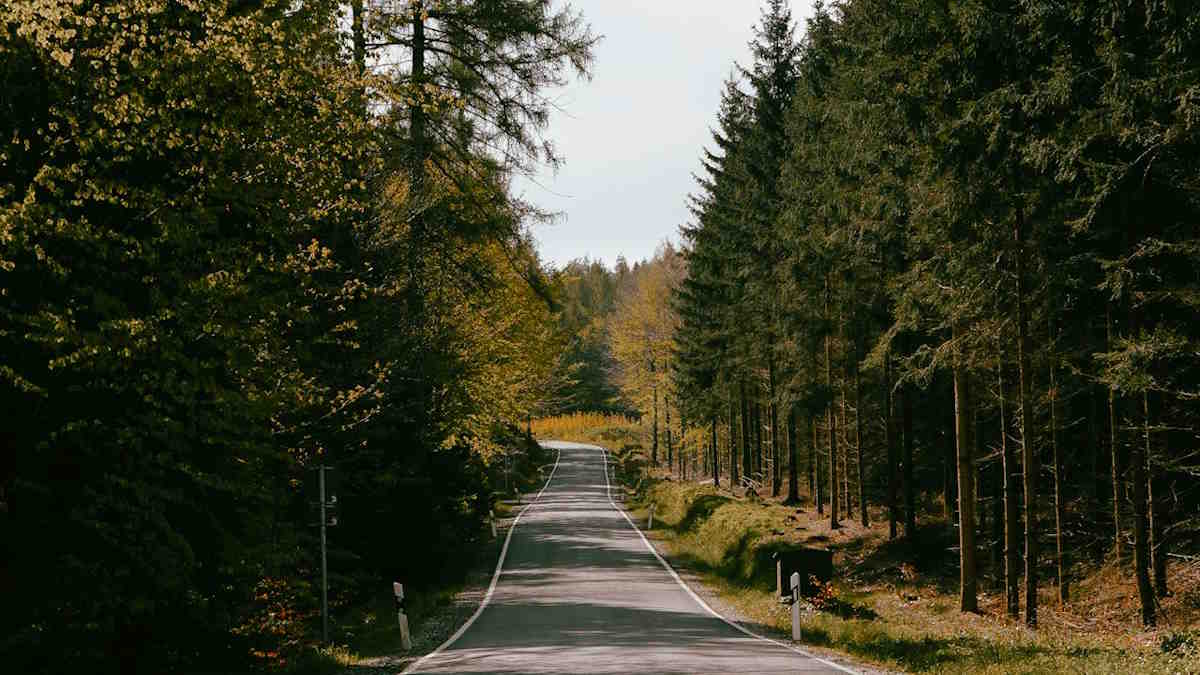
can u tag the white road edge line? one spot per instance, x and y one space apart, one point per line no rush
412 667
698 599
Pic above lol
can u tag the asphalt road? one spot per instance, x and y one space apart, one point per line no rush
579 591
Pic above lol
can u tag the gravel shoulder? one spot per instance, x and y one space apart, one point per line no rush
439 626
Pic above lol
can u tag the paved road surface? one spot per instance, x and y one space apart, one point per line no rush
580 592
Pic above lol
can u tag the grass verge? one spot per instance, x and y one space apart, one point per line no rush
894 604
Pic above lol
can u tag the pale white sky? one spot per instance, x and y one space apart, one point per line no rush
632 137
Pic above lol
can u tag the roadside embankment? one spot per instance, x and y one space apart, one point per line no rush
894 603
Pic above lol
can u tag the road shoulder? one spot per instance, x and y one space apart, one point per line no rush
696 583
438 626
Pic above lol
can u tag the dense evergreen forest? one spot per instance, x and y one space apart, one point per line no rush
238 239
945 261
943 269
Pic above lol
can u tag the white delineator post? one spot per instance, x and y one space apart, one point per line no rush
405 638
492 520
795 584
650 523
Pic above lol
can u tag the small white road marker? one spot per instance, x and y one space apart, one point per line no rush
405 637
795 583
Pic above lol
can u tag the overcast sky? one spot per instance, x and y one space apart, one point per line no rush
632 136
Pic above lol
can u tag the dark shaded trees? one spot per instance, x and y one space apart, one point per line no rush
213 277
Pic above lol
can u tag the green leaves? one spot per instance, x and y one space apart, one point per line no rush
203 291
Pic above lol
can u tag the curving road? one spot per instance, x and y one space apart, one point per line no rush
579 590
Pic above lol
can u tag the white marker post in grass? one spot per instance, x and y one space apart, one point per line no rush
650 524
795 583
405 638
492 521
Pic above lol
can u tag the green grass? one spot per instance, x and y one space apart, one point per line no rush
897 617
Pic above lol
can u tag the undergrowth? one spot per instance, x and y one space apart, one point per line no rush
895 603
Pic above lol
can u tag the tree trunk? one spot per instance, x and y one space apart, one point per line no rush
968 595
670 445
1158 552
910 490
758 439
776 465
683 455
1141 538
747 467
815 478
892 451
997 534
654 428
1012 551
716 462
1060 504
359 41
417 107
418 155
981 511
733 449
862 490
1099 454
847 503
1028 456
792 441
1118 493
949 461
833 456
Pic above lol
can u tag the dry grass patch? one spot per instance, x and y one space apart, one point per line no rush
896 603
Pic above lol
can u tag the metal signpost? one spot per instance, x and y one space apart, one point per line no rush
326 503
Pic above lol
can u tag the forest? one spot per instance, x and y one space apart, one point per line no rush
240 239
942 272
944 269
